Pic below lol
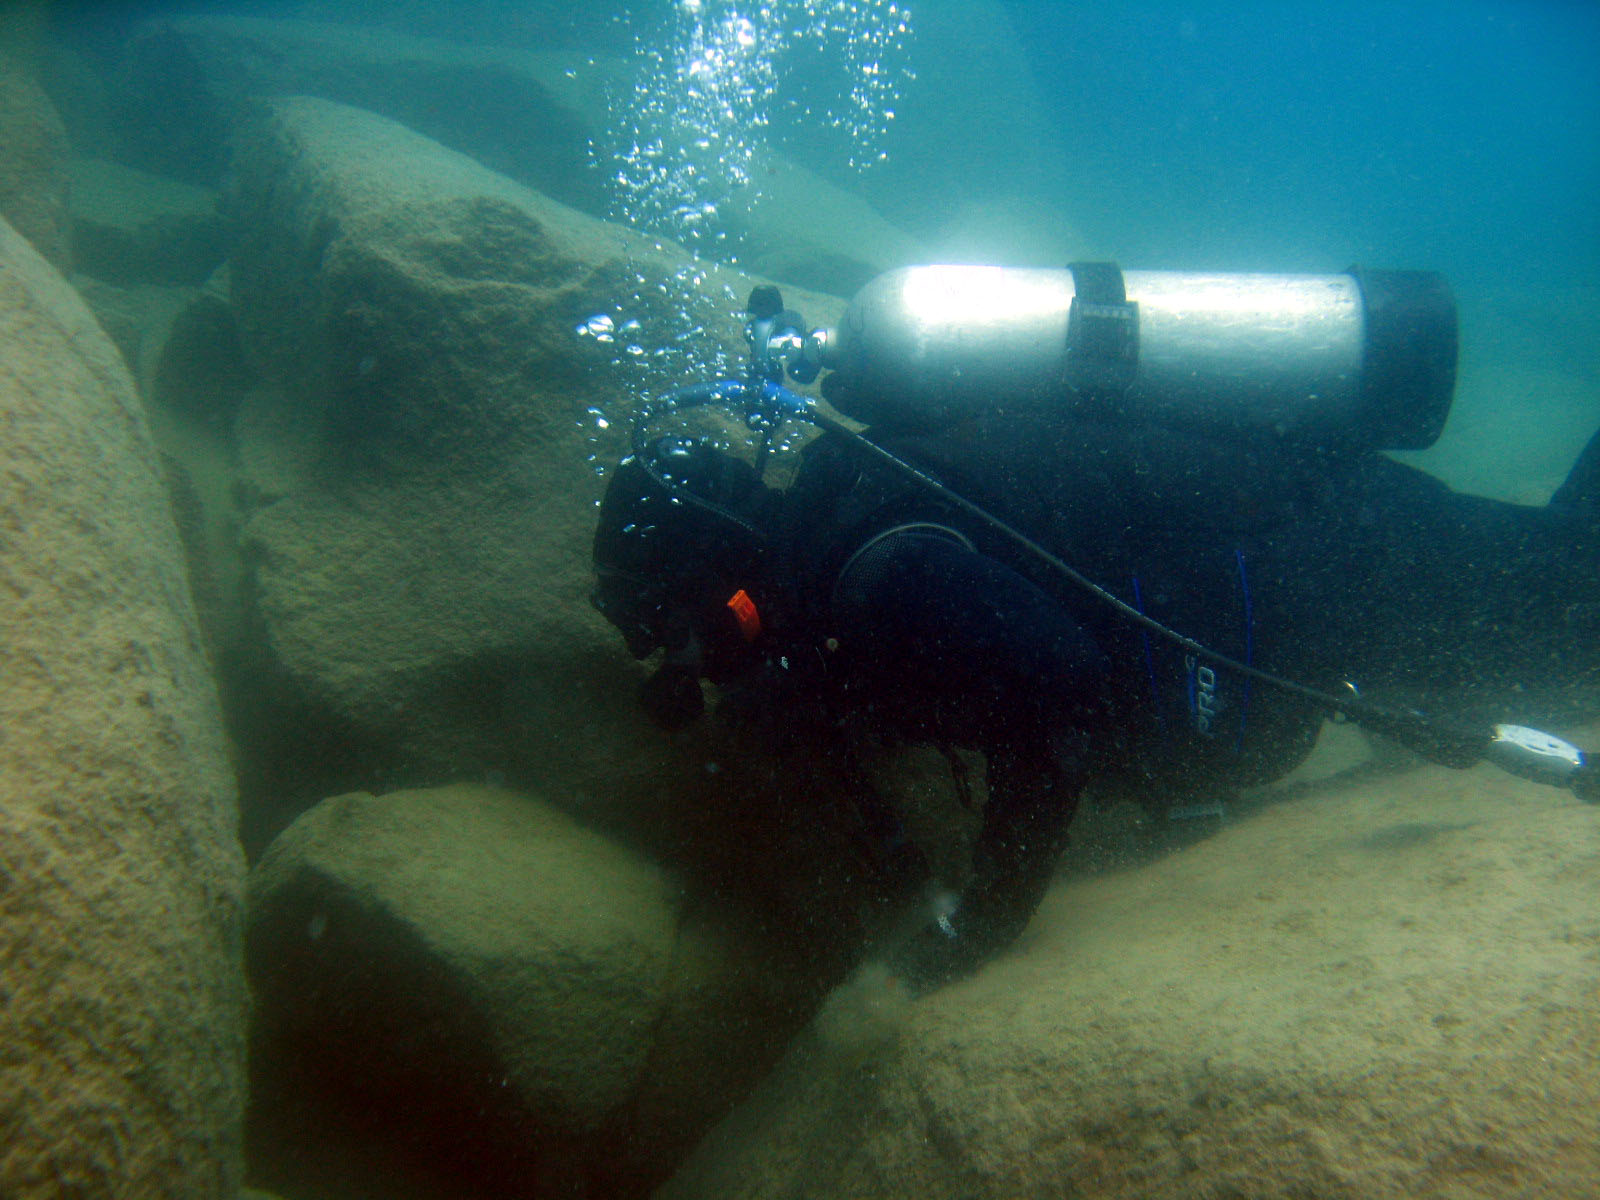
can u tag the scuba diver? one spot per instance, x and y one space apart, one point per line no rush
1129 530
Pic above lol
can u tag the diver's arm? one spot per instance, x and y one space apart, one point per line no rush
1021 680
1033 791
921 610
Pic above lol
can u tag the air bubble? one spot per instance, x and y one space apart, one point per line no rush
712 100
723 73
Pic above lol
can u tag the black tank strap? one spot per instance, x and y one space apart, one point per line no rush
1102 336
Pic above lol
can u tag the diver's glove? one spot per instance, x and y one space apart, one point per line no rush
1033 790
949 947
943 951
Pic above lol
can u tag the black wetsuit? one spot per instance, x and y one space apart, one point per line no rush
1330 569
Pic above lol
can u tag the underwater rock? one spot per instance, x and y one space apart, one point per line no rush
426 305
136 318
130 227
519 112
425 474
1387 990
33 158
199 373
121 880
465 988
72 79
182 346
530 115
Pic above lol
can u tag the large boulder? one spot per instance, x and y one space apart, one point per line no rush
33 147
1387 987
122 1027
465 987
425 474
182 345
549 119
130 227
521 112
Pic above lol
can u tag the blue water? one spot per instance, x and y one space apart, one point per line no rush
1268 135
1463 135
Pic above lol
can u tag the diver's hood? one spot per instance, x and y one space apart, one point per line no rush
683 527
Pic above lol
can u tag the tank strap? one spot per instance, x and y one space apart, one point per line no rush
1102 351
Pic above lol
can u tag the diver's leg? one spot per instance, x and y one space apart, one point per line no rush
1469 604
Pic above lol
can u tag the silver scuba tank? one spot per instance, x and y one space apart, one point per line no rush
1366 358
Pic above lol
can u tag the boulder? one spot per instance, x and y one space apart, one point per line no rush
425 473
464 988
136 318
521 112
198 371
546 119
121 879
71 77
1386 987
182 345
131 227
33 157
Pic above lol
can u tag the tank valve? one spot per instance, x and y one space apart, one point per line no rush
779 343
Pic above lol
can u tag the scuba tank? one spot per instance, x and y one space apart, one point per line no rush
1367 358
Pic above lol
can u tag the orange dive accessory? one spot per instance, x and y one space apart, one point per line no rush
746 614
